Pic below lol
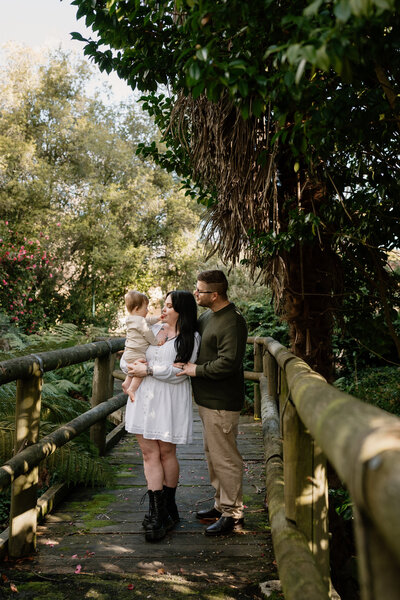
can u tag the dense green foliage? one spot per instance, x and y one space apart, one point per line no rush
319 81
28 279
379 386
65 395
81 217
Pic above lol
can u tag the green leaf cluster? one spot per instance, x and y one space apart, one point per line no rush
70 177
65 396
327 72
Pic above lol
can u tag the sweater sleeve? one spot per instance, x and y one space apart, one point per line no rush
168 373
231 347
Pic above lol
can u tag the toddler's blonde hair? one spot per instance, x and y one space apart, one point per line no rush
134 299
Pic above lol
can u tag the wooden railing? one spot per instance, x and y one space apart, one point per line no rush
21 471
306 421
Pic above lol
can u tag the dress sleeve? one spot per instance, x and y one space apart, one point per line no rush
168 372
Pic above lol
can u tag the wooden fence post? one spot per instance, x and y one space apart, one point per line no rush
305 485
258 366
378 569
23 515
103 383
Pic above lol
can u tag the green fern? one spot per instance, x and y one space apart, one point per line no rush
16 343
76 462
64 397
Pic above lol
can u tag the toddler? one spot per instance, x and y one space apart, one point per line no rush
138 337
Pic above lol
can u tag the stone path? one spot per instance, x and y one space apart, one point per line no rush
93 545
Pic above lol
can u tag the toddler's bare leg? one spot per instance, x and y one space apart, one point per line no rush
126 383
136 381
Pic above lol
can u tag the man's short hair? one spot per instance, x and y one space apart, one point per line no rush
216 281
134 299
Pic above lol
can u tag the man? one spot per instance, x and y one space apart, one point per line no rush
218 387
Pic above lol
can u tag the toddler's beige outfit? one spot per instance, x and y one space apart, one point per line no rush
139 337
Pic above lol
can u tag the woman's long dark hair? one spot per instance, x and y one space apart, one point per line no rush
184 304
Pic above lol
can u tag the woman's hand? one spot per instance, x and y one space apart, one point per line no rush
138 368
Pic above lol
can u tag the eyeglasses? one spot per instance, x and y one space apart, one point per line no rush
196 291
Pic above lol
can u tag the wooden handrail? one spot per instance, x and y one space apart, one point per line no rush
24 366
30 457
304 419
362 443
21 471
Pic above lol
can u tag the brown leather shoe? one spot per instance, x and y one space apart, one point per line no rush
208 515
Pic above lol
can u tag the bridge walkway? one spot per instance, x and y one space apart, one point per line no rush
92 545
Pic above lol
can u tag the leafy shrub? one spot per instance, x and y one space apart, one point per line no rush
379 386
65 395
261 322
28 276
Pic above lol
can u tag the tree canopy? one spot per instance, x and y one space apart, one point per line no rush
283 119
73 190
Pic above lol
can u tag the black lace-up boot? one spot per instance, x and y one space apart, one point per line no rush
148 516
170 504
160 521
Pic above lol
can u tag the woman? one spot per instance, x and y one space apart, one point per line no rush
161 415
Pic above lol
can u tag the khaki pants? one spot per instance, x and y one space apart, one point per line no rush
225 464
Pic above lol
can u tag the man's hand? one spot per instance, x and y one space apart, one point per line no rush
187 369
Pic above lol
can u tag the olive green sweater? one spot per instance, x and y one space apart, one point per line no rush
219 381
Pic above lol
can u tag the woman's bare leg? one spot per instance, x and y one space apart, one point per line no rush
169 463
153 468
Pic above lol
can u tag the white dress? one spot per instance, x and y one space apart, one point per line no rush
163 403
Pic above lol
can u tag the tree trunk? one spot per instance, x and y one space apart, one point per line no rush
309 305
312 275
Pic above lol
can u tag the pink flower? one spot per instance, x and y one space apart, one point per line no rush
30 299
51 275
78 569
6 222
58 224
